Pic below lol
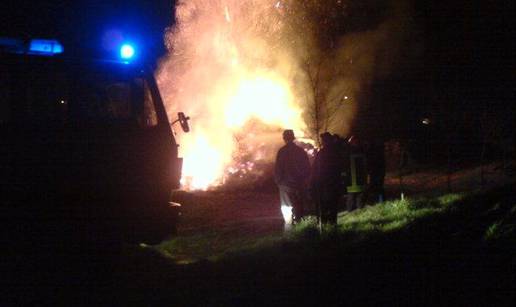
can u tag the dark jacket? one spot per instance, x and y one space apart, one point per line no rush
327 168
292 166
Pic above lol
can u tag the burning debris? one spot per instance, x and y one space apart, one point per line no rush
245 70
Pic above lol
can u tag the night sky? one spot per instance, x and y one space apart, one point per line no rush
80 25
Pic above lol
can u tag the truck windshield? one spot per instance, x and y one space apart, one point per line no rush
44 95
104 99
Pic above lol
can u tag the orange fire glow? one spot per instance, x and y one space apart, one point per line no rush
219 74
208 151
245 70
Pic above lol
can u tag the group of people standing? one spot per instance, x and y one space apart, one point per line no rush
338 169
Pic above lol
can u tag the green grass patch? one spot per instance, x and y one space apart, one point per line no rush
212 246
448 217
394 215
503 228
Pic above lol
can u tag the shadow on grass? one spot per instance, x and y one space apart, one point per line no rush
452 250
456 250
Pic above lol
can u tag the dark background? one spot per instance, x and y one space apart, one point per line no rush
467 66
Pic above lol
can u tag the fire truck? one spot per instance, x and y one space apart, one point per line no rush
87 151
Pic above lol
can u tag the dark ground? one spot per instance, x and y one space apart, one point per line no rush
439 260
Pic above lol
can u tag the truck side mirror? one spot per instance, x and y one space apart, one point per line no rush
183 121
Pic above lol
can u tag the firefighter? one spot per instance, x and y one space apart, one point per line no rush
326 179
345 180
357 174
292 170
376 170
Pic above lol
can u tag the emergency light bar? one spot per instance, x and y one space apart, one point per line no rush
33 46
45 47
49 47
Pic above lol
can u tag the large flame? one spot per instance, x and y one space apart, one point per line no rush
226 81
209 150
265 97
245 70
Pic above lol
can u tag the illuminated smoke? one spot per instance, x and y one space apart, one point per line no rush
239 70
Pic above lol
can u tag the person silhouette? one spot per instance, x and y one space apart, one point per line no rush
291 173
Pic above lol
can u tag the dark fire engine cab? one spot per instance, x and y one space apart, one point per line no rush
87 150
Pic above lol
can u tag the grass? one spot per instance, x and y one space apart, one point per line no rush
426 217
212 246
457 249
393 215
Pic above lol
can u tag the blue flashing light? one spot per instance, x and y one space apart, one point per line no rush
127 51
45 46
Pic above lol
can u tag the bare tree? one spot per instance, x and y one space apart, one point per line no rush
323 98
315 30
